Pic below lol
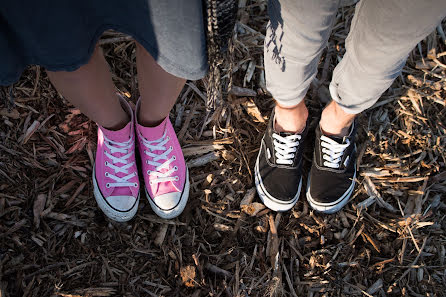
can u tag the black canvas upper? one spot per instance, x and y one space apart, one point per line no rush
327 184
280 180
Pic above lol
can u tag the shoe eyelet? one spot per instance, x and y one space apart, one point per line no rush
174 158
106 163
107 185
175 168
148 172
135 185
147 162
177 178
150 183
170 147
168 138
106 174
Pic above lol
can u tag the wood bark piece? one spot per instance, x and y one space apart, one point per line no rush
242 92
161 234
38 207
30 131
194 151
252 109
373 192
222 227
249 197
249 207
203 160
252 209
218 270
14 114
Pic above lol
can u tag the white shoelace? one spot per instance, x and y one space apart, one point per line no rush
285 147
123 148
332 151
159 145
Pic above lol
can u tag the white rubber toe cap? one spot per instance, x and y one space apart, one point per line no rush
121 203
167 201
117 208
170 205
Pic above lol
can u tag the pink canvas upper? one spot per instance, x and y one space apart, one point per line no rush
173 161
126 141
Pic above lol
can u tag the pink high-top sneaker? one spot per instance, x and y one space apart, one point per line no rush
115 175
166 176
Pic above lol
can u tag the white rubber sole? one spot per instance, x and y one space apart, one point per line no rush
268 200
330 208
177 210
110 212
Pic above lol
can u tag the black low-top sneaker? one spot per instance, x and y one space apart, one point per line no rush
332 176
278 168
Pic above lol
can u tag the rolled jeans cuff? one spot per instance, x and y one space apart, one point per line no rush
355 109
291 99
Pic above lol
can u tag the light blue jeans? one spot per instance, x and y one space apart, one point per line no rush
382 34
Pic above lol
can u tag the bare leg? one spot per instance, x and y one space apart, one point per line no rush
159 90
335 121
291 119
91 89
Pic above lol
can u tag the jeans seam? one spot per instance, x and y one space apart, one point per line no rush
340 68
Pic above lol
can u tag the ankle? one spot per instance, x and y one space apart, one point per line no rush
149 117
118 123
291 119
147 120
335 121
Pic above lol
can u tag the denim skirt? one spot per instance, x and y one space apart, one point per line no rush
62 35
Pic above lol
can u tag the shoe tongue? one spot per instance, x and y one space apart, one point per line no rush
121 191
153 133
285 134
122 135
338 139
119 135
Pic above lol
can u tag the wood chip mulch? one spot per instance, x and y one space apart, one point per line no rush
390 240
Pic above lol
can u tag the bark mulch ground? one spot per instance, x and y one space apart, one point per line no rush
389 241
